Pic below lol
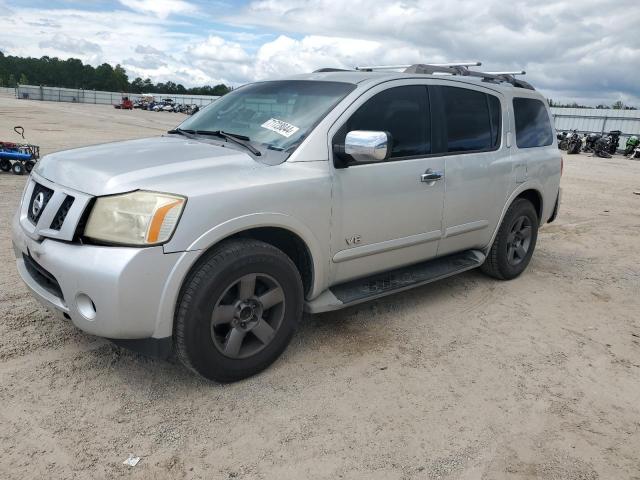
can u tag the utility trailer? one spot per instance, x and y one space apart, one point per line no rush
18 157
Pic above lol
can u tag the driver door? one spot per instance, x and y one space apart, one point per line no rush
384 214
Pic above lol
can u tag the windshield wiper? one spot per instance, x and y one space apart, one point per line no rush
180 131
233 137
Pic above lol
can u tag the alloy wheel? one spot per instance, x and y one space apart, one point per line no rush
247 315
519 240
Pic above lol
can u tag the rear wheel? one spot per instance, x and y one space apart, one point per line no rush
29 165
17 168
238 310
5 165
514 244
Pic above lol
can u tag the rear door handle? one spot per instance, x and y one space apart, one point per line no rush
431 176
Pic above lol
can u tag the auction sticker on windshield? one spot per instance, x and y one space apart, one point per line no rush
283 128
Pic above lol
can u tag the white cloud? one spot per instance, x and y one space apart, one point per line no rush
160 8
589 54
217 49
64 43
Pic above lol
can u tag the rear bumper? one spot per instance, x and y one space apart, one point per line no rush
556 207
112 292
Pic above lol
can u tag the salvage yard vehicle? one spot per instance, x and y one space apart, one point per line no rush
574 142
125 104
632 143
311 193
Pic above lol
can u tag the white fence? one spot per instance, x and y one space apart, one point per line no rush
587 120
7 92
56 94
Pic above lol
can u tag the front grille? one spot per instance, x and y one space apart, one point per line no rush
47 193
42 277
62 212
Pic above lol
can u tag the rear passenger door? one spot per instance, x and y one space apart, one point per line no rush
478 167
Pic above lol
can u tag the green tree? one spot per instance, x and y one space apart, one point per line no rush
72 73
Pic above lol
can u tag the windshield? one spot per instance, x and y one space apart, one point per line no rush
277 114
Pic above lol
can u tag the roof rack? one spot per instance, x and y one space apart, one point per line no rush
404 67
456 68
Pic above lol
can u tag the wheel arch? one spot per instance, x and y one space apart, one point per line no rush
531 192
282 231
288 242
535 197
268 227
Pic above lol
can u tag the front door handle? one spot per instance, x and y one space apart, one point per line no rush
431 176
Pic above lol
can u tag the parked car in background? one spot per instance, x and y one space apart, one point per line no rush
312 193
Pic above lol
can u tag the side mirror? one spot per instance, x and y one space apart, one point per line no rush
366 146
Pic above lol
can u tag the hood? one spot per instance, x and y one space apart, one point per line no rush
160 163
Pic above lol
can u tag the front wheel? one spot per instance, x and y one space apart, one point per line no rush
5 165
514 244
238 310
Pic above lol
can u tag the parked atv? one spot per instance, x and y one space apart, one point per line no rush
574 143
602 147
125 104
632 143
614 141
18 157
562 140
590 141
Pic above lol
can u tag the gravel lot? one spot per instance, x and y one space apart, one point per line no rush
466 378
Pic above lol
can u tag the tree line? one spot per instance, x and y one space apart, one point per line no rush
72 73
619 105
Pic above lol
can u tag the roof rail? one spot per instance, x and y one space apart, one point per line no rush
462 70
404 67
454 68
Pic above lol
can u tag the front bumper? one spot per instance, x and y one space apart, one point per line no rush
112 292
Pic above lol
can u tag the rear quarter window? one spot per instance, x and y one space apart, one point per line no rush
533 128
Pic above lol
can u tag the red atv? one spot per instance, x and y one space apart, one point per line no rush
125 104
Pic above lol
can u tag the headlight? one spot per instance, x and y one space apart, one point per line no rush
136 218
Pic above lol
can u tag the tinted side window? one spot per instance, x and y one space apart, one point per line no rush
467 120
533 128
401 111
496 119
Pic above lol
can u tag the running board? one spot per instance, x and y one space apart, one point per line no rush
386 283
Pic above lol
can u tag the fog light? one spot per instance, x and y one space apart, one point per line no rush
86 307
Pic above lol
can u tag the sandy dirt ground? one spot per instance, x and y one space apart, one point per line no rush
467 378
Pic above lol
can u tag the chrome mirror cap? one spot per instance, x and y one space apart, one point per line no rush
368 146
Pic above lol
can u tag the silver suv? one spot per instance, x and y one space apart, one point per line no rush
313 193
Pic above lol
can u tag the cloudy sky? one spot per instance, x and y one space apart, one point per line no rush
585 50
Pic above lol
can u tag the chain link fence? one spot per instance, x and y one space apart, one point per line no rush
597 120
7 92
56 94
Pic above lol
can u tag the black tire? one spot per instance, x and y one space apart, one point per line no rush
5 165
29 165
503 262
217 280
17 168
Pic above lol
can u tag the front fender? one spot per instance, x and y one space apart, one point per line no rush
278 220
164 323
